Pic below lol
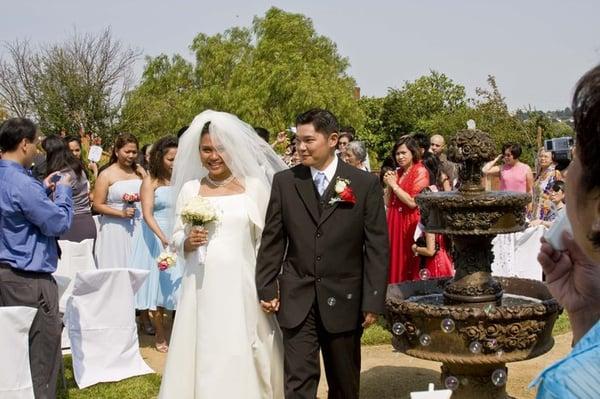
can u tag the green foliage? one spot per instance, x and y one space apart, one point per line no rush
562 324
266 75
436 105
417 103
378 144
377 334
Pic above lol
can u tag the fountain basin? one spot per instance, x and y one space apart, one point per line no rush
517 329
473 213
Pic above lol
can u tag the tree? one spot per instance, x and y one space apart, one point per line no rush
265 75
417 103
78 83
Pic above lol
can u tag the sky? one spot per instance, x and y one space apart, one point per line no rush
536 49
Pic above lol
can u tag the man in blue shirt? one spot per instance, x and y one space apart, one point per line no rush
29 224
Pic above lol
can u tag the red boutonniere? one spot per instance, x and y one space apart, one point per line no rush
343 192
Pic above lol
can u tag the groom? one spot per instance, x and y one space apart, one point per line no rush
323 261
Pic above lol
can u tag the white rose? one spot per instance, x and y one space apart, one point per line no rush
340 186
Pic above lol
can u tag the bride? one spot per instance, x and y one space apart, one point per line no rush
223 345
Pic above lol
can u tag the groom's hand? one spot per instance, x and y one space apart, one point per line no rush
271 306
370 318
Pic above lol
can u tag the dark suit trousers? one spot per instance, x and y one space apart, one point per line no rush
37 290
341 354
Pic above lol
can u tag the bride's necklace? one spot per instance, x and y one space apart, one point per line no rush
220 183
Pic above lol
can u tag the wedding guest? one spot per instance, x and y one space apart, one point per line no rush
573 275
60 159
409 179
433 254
159 291
557 205
422 140
144 156
437 178
344 139
356 154
514 175
90 168
437 146
263 133
115 199
545 177
30 222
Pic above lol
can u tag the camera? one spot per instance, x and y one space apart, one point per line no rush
55 178
560 147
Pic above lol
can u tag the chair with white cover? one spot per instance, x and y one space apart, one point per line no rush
75 257
15 371
100 318
527 248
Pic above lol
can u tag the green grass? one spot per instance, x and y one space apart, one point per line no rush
146 386
143 387
562 325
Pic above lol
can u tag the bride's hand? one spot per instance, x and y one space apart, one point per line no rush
197 238
271 306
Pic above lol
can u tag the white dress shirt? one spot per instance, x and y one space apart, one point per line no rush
329 171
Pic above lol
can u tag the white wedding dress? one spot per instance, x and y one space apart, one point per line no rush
223 345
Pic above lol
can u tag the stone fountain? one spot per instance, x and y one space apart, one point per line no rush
473 323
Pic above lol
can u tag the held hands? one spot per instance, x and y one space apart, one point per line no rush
370 319
271 306
196 238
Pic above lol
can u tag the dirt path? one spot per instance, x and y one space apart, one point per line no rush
390 375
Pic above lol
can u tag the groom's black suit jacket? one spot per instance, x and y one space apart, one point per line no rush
338 253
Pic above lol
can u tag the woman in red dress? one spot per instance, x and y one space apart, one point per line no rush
403 215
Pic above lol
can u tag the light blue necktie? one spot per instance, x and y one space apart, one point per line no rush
320 182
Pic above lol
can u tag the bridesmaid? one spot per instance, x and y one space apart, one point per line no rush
59 158
159 291
119 217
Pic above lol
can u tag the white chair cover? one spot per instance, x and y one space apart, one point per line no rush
75 257
15 373
100 319
515 254
527 249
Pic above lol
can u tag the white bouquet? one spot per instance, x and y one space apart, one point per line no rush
198 212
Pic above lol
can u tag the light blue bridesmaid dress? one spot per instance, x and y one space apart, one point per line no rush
162 287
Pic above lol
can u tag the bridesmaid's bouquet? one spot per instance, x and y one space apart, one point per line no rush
198 212
130 199
166 260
